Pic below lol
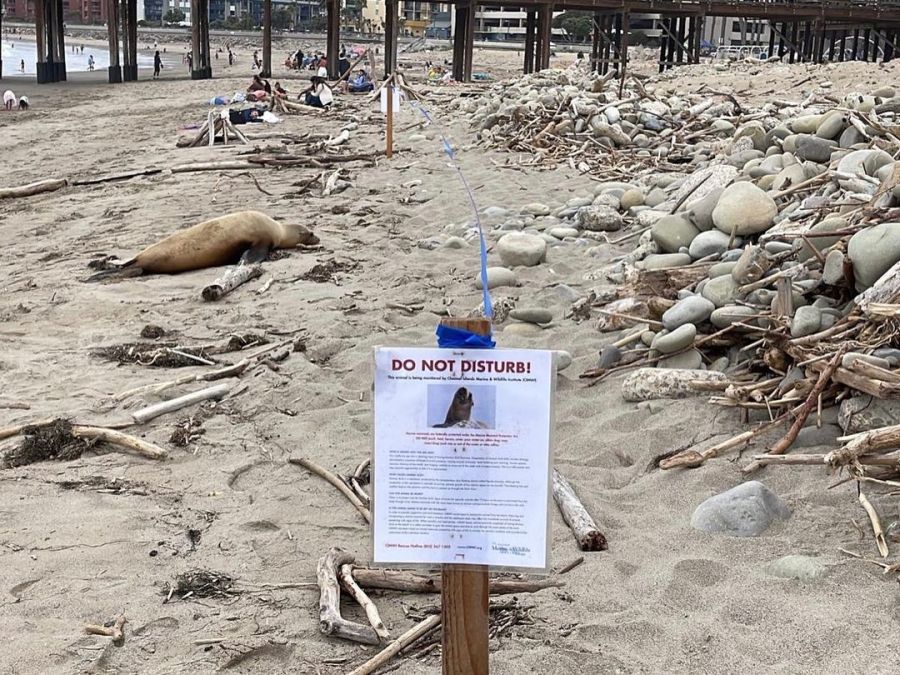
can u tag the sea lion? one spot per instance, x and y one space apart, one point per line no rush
460 411
247 236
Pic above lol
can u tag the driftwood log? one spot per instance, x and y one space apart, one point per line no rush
138 445
885 438
645 384
116 631
587 534
330 620
233 277
412 582
215 392
51 185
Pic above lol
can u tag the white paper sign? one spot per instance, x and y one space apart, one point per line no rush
461 467
384 100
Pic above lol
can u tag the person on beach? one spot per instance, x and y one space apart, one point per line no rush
360 83
22 65
24 103
230 57
319 94
190 61
157 64
279 91
257 84
9 99
90 61
256 63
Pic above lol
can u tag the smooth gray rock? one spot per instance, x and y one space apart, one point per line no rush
563 232
521 249
713 242
678 339
831 125
833 273
830 224
806 321
563 359
721 269
536 209
815 149
455 242
890 354
658 261
523 329
726 316
673 232
873 251
631 198
599 218
532 314
655 197
851 358
864 413
746 510
721 291
689 360
693 309
744 209
799 567
812 436
610 355
497 276
701 210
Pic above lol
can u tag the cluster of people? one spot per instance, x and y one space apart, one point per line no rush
11 103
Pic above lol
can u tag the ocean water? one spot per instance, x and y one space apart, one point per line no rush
16 49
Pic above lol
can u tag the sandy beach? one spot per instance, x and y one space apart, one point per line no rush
84 541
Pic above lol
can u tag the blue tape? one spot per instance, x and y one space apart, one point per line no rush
448 149
461 338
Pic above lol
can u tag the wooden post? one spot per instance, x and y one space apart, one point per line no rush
112 23
391 28
389 132
623 51
267 38
459 41
470 42
530 26
195 40
61 44
333 37
545 32
39 28
464 590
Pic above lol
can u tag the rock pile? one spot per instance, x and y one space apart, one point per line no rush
767 242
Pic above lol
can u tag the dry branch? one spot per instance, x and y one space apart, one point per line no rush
358 594
215 392
330 620
587 534
422 628
322 472
233 277
51 185
413 582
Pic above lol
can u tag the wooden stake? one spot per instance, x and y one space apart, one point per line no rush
464 590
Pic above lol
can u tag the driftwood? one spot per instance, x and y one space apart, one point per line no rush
215 392
322 472
233 277
651 383
885 438
228 371
690 459
422 628
666 282
140 446
413 582
876 524
812 399
363 600
51 185
330 620
587 534
116 631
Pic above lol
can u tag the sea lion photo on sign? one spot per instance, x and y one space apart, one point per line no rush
459 413
245 236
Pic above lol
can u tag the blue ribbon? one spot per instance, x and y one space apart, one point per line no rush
448 149
461 338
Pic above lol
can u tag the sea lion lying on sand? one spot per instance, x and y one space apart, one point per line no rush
246 236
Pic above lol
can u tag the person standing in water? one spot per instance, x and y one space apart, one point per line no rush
22 65
90 61
157 64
